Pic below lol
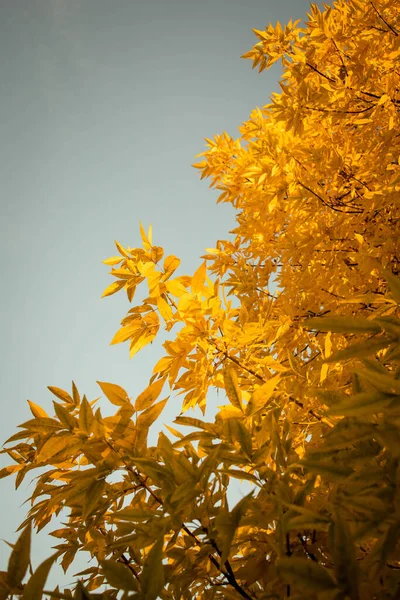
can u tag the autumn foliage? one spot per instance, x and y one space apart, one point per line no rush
295 319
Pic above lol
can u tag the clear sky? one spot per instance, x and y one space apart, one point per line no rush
103 106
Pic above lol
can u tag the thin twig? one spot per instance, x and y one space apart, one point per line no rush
392 29
228 573
319 73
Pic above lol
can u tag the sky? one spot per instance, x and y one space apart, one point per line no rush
104 105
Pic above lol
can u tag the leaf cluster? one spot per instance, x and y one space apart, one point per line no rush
295 321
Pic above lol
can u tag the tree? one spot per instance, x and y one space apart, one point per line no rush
295 319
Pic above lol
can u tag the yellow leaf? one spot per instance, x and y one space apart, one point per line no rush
125 333
236 431
118 575
145 239
359 238
93 497
122 250
394 284
156 253
36 410
309 575
53 446
164 308
75 394
115 393
33 590
19 559
63 395
324 373
152 577
114 287
149 395
176 288
10 470
147 418
86 417
64 416
328 345
199 278
163 364
142 341
113 260
260 397
171 263
229 412
232 388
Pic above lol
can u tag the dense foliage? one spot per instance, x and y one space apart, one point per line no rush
295 320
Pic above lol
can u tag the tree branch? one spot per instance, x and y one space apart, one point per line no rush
392 29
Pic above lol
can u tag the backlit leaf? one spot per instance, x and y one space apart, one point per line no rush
149 395
232 388
171 263
147 417
260 397
115 393
114 287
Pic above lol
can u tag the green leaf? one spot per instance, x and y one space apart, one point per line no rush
115 393
19 559
342 325
33 590
308 575
152 576
118 575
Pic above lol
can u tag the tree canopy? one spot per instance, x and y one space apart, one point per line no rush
295 319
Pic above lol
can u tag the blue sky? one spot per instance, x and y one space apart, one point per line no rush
104 105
